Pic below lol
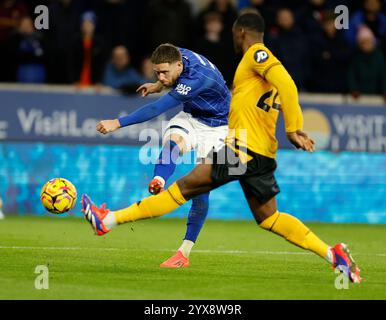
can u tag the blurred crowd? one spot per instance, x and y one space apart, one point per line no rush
108 42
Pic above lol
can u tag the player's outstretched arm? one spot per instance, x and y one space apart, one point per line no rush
293 117
145 113
149 88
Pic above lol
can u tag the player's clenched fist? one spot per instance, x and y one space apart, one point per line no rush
301 140
107 126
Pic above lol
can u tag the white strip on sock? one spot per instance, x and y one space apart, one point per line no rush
160 179
109 221
186 247
329 255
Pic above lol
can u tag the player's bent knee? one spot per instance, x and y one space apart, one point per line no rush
185 188
263 215
193 185
262 211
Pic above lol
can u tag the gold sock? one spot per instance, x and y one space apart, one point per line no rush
153 206
294 231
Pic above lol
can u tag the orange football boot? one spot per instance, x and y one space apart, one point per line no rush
344 262
176 261
95 215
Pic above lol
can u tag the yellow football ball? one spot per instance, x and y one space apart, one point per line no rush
58 195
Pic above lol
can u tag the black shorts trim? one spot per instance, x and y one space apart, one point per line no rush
256 177
177 127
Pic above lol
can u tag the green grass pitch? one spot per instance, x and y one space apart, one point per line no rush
232 260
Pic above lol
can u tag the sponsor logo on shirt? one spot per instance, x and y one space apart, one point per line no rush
261 56
183 89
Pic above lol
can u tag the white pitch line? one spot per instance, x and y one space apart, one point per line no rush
172 250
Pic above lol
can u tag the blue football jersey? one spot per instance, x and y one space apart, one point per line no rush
202 90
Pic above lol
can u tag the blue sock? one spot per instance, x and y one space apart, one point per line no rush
197 216
166 163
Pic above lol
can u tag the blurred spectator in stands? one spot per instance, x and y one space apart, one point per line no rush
371 16
11 11
330 53
147 71
261 6
367 73
214 47
87 55
168 21
290 46
268 9
120 22
310 16
28 53
119 74
114 16
306 12
1 209
64 23
246 10
228 15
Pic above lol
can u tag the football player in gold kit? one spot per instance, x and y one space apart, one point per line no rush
262 88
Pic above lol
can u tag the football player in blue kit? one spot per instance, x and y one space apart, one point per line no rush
202 125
